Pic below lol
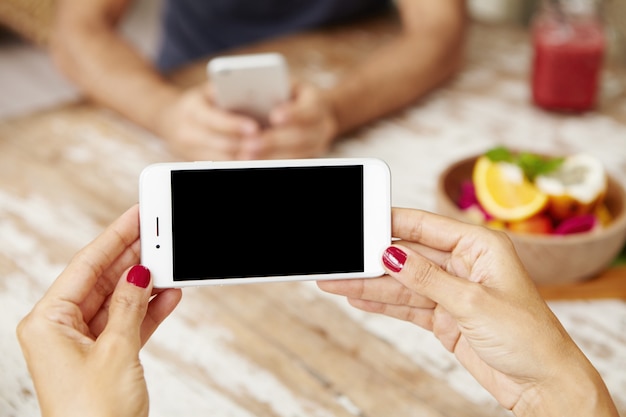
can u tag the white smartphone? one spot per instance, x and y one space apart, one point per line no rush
231 222
250 84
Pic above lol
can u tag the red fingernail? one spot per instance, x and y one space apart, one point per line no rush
139 276
394 258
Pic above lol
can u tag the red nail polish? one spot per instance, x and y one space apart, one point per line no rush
139 276
394 258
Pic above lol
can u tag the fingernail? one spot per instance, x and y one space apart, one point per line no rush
139 276
394 258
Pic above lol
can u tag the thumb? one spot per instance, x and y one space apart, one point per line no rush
425 277
129 304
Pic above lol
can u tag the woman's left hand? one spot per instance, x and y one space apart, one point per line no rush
82 340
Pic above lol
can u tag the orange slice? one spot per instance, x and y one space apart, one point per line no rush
504 191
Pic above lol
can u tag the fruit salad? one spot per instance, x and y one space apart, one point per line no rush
530 193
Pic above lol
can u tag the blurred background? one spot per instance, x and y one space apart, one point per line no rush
29 81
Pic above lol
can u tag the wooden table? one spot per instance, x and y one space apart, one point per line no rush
287 349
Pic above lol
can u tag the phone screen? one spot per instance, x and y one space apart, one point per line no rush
256 222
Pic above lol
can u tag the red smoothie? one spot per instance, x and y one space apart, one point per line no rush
568 57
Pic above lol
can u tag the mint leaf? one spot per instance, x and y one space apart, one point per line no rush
551 165
531 164
499 154
534 165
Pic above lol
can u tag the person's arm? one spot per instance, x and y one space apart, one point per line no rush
428 52
86 46
466 284
576 391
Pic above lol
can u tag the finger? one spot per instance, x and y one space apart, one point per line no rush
160 306
100 317
440 257
382 290
204 144
425 277
199 144
422 317
107 282
455 246
230 124
128 306
445 328
88 265
159 309
289 142
303 109
429 229
225 122
251 147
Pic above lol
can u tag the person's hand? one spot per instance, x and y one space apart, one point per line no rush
196 129
303 127
81 341
466 284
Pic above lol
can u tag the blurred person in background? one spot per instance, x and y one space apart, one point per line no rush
89 49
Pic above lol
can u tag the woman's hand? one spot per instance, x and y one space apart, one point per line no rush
81 341
466 284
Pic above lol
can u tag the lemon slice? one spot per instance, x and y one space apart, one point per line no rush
576 188
504 191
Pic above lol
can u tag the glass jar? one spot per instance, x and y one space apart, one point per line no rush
568 43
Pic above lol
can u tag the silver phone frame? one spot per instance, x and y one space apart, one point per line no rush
251 84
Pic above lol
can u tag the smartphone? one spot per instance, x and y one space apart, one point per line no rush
250 84
231 222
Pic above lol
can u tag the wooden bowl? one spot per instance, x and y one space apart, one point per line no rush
550 259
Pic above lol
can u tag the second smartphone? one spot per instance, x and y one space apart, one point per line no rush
250 84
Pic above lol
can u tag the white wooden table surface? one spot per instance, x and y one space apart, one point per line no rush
288 349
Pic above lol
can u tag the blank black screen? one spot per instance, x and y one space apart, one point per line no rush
254 222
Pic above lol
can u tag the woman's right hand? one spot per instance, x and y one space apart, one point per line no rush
466 284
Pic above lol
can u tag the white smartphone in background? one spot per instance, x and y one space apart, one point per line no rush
235 222
250 84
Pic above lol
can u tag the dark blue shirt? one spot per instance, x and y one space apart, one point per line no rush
193 29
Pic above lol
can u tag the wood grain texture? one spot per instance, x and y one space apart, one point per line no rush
287 349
